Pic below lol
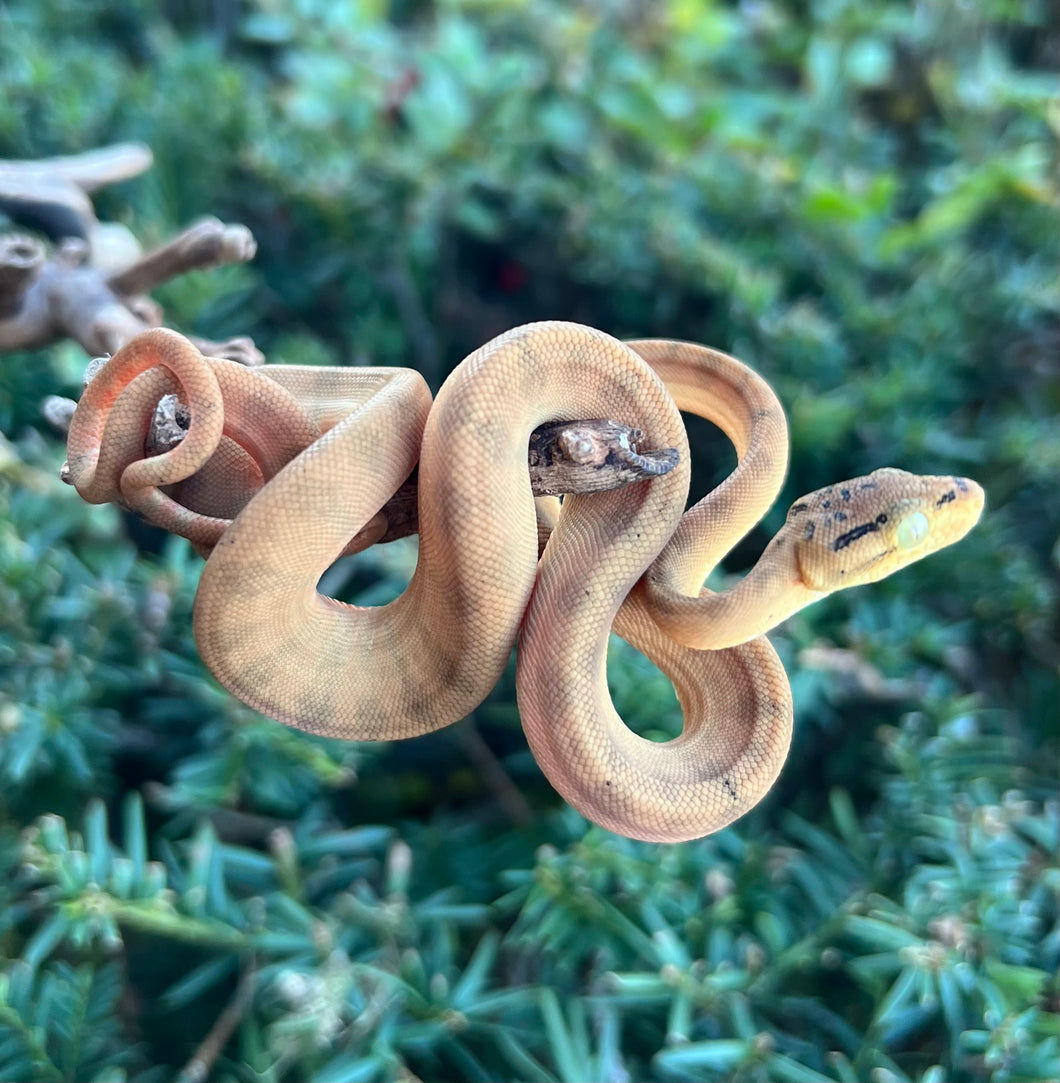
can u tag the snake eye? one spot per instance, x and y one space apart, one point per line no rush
912 530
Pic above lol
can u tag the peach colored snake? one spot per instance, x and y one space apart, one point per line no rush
283 465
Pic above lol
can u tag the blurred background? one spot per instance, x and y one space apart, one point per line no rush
859 200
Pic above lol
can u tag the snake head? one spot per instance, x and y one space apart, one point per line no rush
862 530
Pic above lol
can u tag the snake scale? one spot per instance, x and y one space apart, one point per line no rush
283 465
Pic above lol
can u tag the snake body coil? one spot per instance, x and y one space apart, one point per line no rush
282 466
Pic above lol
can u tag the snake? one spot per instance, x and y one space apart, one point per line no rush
284 467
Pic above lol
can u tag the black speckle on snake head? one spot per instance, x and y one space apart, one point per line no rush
890 519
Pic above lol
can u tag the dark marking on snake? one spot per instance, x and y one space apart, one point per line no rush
946 498
730 789
868 485
840 516
811 529
858 532
826 504
844 493
797 509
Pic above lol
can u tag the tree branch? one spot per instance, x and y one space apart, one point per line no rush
564 458
78 292
52 194
72 295
591 457
206 244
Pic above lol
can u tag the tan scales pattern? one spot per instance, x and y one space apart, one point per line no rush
308 456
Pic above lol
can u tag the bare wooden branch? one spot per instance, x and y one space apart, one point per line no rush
79 293
21 260
170 423
52 194
591 457
564 457
71 299
87 171
208 243
57 411
72 295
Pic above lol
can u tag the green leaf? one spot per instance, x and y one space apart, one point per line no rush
718 1055
470 983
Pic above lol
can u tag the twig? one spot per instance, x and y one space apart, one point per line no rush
399 281
52 194
75 294
564 457
198 1067
21 259
65 297
591 457
208 243
508 795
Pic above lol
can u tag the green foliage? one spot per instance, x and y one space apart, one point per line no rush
860 200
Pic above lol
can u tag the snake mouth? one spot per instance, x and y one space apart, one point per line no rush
868 566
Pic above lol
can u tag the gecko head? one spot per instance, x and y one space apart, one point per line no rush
862 530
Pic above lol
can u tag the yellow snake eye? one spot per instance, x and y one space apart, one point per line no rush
912 530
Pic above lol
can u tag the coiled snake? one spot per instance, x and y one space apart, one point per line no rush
283 465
